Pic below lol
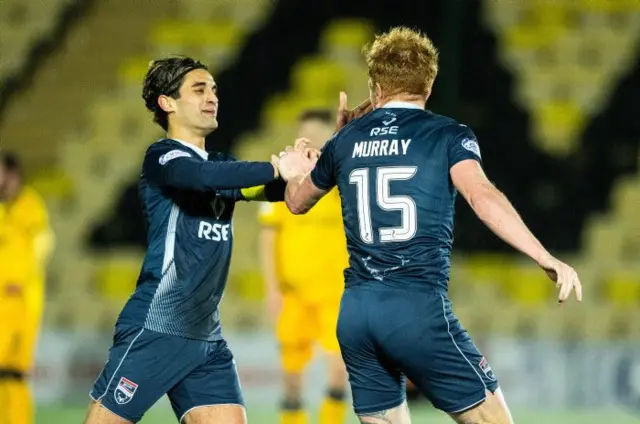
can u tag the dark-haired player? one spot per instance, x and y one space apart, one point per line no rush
398 169
168 338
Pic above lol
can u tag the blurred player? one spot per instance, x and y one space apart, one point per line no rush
398 169
25 244
168 338
303 259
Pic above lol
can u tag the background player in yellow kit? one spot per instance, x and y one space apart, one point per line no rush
303 258
25 244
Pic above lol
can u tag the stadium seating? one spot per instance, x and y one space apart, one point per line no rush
23 25
566 57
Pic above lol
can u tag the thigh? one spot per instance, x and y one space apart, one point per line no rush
97 414
328 312
142 366
397 415
295 333
213 383
493 410
439 357
296 322
376 383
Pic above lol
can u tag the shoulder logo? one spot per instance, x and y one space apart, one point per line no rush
173 155
124 391
472 146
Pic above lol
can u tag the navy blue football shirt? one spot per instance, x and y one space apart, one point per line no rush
188 198
391 167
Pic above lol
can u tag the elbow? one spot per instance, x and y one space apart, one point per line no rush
483 202
296 209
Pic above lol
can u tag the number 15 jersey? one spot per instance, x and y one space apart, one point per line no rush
391 167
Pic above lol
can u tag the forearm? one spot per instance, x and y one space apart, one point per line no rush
495 210
210 176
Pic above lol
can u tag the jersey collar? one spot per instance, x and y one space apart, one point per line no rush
202 153
400 105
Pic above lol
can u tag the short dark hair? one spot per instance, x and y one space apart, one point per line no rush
164 78
11 162
324 115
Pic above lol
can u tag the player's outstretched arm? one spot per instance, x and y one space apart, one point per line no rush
493 208
179 169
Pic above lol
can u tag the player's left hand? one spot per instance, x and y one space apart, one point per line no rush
302 145
565 277
345 115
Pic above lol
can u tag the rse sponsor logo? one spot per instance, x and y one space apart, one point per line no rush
472 146
173 155
213 232
384 130
124 391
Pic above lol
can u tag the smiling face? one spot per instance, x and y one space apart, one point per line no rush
196 107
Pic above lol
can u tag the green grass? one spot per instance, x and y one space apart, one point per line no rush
163 415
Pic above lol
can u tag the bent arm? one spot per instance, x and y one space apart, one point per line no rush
300 197
494 209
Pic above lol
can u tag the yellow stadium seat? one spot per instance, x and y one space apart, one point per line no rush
133 69
557 125
285 109
488 269
608 6
249 285
529 286
116 277
528 38
626 198
603 239
318 78
196 34
347 33
53 182
548 13
623 289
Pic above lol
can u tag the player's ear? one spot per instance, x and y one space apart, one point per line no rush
427 95
166 103
379 95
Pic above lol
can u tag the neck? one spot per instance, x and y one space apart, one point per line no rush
406 98
187 136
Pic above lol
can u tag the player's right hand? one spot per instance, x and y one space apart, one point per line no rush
565 277
345 115
292 164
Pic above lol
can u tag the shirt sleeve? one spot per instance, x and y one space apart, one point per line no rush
323 175
168 166
462 144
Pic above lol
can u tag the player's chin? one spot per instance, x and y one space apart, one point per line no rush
210 125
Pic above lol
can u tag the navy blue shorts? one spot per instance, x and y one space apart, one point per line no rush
144 365
388 333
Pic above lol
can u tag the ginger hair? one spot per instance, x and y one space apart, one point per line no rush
402 61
